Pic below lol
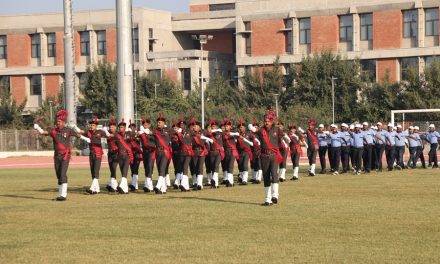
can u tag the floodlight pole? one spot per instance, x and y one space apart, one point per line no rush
333 97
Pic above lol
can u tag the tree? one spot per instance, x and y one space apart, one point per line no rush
11 114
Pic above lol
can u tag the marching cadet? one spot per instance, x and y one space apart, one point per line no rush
270 138
379 147
244 144
335 138
284 149
176 156
256 151
216 152
369 136
112 155
200 152
323 147
125 154
345 148
231 153
296 142
358 139
186 154
420 147
208 168
61 136
137 158
400 146
163 153
390 149
95 157
149 153
433 138
313 143
413 141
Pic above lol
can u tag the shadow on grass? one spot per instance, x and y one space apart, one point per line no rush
210 200
24 197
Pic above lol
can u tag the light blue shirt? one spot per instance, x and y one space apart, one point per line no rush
400 138
323 140
345 138
433 137
358 139
422 138
383 134
391 138
335 139
368 135
413 142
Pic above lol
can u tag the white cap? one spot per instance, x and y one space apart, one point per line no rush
333 126
411 128
358 126
365 123
379 123
431 126
351 127
390 125
321 126
416 128
344 125
398 126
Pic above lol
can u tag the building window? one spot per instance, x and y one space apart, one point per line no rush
248 70
85 43
366 26
4 84
345 28
410 24
247 37
186 78
407 65
368 69
431 23
155 74
304 31
136 41
3 47
35 81
221 7
150 40
51 45
431 59
35 45
247 26
102 42
288 35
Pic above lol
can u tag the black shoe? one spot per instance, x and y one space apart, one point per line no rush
228 184
367 171
182 189
243 183
267 204
147 190
252 180
311 174
132 188
60 198
91 192
240 180
390 169
282 180
322 172
121 191
274 200
294 179
224 182
175 186
110 189
207 184
199 188
256 182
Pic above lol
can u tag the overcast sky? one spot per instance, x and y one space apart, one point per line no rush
37 6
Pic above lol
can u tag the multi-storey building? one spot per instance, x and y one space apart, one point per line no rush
388 36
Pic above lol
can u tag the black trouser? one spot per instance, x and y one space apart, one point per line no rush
214 161
208 168
177 163
311 155
199 161
229 162
185 160
61 162
367 155
379 150
294 156
400 151
113 162
412 161
269 166
330 156
322 152
243 162
124 164
357 158
95 165
192 166
256 161
352 156
336 158
134 167
390 152
419 154
161 163
283 152
148 163
433 155
345 158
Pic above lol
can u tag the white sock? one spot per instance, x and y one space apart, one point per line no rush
134 181
240 175
209 177
259 175
254 175
215 178
160 182
167 180
113 183
97 188
312 168
95 185
164 185
124 185
149 183
275 190
185 182
245 176
283 174
295 172
231 178
200 180
60 189
194 179
178 179
268 195
64 190
225 175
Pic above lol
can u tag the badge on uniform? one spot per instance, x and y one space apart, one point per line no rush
274 134
65 135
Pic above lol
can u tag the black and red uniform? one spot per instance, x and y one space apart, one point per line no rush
185 151
149 153
163 149
216 152
113 159
137 154
62 145
200 152
125 154
244 151
270 138
96 151
231 153
295 148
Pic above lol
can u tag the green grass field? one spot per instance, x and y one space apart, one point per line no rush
377 218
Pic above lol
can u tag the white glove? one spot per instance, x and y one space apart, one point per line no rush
252 128
234 134
300 130
286 138
207 139
218 130
76 128
86 139
327 133
105 129
179 130
247 141
141 132
259 143
38 128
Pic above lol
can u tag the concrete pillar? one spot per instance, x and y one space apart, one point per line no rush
295 35
421 27
356 32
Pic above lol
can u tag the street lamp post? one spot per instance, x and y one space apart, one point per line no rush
276 103
203 40
155 90
51 112
333 97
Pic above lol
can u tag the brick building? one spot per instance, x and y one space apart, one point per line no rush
387 36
